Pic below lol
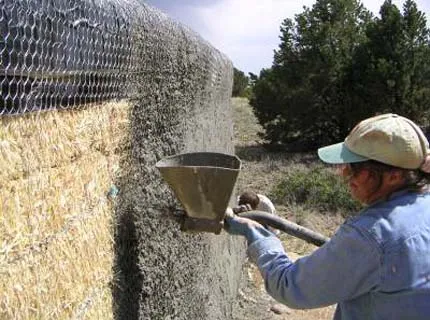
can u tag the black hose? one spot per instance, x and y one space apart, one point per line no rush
286 226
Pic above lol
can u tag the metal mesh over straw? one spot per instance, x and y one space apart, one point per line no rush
64 53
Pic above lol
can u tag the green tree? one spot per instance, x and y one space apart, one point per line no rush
304 99
240 83
337 64
391 71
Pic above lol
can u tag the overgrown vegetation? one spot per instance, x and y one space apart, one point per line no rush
240 83
338 64
318 188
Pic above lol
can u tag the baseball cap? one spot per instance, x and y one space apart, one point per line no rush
387 138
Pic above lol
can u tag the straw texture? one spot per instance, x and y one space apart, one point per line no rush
56 169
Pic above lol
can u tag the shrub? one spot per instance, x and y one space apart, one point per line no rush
240 83
316 188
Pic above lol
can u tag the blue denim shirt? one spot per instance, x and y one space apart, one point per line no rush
376 266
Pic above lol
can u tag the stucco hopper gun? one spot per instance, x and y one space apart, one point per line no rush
204 182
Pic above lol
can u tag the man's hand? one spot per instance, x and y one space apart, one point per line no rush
248 228
235 225
242 208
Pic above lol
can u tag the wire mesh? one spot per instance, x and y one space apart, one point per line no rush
66 53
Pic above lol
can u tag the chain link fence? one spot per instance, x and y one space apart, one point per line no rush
66 53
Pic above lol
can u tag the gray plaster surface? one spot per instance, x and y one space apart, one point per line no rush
181 104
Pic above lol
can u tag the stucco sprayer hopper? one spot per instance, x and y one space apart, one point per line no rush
203 182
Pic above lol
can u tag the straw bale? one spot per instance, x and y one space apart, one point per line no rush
96 306
53 284
55 219
39 205
52 139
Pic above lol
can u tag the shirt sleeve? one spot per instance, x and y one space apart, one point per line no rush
344 268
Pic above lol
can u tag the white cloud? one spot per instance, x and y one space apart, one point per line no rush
247 30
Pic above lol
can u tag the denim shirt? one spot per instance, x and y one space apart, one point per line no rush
376 266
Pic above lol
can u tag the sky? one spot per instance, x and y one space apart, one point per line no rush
247 31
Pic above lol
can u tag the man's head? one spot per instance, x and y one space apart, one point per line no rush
381 155
387 138
249 197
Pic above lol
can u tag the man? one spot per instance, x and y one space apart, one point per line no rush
377 265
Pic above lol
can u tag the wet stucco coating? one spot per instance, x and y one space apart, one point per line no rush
181 103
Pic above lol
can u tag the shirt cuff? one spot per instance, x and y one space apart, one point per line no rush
264 245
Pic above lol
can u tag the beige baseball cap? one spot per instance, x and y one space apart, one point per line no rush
387 138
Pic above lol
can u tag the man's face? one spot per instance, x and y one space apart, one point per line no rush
362 185
368 187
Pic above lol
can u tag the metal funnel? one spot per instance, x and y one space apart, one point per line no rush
203 182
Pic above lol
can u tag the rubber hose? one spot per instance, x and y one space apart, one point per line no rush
286 226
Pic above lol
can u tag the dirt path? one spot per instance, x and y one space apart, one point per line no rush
261 171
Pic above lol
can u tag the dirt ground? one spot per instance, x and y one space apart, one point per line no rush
261 171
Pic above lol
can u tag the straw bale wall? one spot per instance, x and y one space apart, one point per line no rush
86 228
56 221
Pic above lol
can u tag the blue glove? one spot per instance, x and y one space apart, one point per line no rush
248 228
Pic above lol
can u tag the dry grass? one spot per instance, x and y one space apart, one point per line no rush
246 129
55 220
